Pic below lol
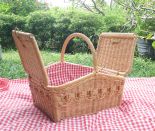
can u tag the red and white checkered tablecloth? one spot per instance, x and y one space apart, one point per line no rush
136 113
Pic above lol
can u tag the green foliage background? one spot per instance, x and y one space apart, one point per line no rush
52 26
11 67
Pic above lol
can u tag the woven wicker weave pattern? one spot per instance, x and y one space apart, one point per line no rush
115 51
95 91
30 56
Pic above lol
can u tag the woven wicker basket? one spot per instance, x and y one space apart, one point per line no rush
78 89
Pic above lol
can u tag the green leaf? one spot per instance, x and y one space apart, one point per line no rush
153 44
149 36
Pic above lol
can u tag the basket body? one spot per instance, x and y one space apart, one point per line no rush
81 90
87 95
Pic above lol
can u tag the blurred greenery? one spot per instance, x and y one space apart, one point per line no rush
51 27
21 7
11 67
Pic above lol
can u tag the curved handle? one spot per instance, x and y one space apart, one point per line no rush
86 39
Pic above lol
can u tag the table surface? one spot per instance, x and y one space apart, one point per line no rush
136 113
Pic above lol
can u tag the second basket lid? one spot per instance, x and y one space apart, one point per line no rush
115 51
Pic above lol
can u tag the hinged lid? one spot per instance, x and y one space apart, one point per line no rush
115 51
30 57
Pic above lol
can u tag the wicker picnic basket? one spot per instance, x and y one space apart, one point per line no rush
64 89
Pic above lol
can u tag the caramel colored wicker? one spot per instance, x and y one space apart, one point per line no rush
100 89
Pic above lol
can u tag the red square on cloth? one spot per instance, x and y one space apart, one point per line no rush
4 84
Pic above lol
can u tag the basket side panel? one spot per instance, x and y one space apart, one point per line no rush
109 90
89 96
43 100
75 100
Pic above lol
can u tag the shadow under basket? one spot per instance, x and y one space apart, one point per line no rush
63 89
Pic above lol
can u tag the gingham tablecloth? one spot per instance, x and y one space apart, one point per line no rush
136 113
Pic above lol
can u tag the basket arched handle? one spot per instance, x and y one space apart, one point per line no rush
87 40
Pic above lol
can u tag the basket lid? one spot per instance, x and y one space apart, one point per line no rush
30 57
115 51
